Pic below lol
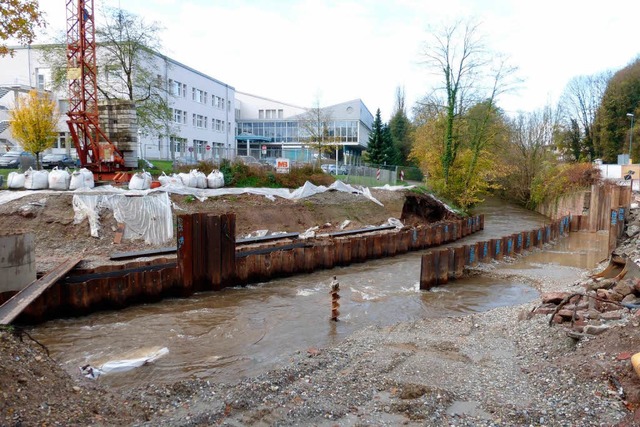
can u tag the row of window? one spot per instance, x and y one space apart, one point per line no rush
199 121
179 90
270 114
181 147
291 131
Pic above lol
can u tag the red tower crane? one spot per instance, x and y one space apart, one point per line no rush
95 151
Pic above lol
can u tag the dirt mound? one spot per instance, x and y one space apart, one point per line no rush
51 218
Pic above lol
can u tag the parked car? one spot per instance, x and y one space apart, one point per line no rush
49 161
185 161
17 160
248 160
330 168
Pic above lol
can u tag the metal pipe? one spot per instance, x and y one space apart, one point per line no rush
630 136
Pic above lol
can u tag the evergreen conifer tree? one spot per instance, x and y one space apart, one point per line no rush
375 154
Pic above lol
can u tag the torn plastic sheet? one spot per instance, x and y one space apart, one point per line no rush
307 190
149 218
124 365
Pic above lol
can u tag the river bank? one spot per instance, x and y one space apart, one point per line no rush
500 367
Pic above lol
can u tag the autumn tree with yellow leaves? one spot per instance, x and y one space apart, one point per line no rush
33 122
18 21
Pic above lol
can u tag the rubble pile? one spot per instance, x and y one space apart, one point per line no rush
606 298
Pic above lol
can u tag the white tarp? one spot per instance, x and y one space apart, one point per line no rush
149 218
134 360
307 190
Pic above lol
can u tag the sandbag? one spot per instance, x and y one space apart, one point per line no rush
194 179
201 179
215 179
59 179
81 179
36 180
168 180
140 181
15 180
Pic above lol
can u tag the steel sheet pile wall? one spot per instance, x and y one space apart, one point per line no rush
207 260
105 287
439 266
206 251
340 251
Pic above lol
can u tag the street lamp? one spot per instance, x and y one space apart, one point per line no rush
630 136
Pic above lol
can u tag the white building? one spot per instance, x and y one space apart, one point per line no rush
269 128
210 120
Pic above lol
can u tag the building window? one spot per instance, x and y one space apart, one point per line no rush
199 95
178 89
199 146
218 102
261 114
219 125
180 116
42 78
228 105
63 105
200 121
178 145
61 140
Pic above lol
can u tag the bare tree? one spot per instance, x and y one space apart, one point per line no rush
529 150
128 63
458 56
314 129
580 102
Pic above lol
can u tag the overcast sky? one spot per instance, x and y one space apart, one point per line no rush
308 51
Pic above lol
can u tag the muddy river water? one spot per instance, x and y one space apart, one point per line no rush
247 330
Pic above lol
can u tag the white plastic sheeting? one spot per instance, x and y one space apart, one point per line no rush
307 190
124 365
149 218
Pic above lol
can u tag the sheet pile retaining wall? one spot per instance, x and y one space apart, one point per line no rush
439 266
207 259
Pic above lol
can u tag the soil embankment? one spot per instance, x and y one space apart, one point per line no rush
502 367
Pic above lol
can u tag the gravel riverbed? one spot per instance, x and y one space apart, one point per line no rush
503 367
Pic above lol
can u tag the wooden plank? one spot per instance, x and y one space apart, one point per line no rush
14 306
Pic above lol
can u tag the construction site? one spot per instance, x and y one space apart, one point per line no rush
322 305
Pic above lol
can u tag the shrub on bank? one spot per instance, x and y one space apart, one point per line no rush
562 179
